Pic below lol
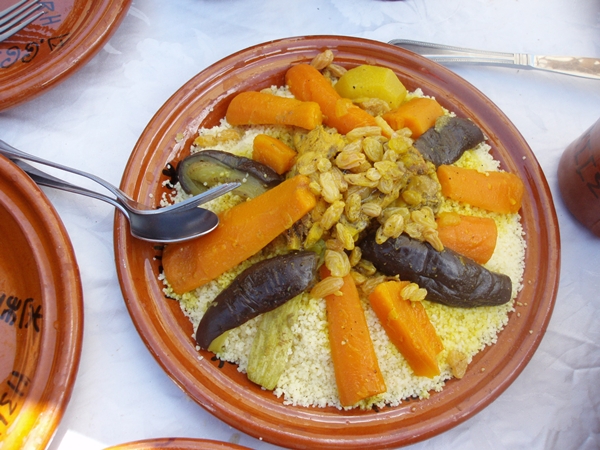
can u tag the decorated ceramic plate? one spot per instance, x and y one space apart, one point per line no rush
221 388
55 45
41 313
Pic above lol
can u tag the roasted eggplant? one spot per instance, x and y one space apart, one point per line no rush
207 168
450 278
258 289
448 140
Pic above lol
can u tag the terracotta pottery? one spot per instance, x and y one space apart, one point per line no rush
579 178
227 393
178 444
55 45
41 313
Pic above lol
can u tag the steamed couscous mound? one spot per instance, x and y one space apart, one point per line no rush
309 378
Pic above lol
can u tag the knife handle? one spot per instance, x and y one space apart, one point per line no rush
570 65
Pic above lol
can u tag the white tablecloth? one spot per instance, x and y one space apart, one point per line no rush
92 120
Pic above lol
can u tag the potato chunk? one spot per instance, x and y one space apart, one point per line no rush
372 82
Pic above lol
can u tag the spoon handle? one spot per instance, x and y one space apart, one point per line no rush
567 65
125 201
11 152
44 179
177 226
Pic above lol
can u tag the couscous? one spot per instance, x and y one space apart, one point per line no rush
344 182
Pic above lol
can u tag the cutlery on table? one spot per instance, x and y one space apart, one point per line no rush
174 226
127 202
16 17
178 222
568 65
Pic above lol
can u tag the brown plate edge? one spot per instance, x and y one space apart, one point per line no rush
177 444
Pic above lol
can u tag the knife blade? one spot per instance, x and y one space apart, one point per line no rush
445 54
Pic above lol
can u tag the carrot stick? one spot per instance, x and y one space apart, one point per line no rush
500 192
273 153
471 236
243 230
418 114
308 84
408 327
257 108
355 364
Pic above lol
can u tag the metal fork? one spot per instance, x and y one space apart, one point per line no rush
16 17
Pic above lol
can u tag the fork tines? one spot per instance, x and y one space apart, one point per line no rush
18 16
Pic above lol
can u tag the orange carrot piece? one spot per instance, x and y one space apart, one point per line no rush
408 327
471 236
273 153
500 192
418 114
308 84
357 372
257 108
242 231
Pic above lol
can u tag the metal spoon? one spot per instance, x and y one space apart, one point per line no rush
175 226
127 202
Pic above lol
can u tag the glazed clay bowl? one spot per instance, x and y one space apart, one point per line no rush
41 313
55 45
225 392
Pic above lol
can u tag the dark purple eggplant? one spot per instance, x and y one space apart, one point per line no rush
448 140
258 289
450 278
207 168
